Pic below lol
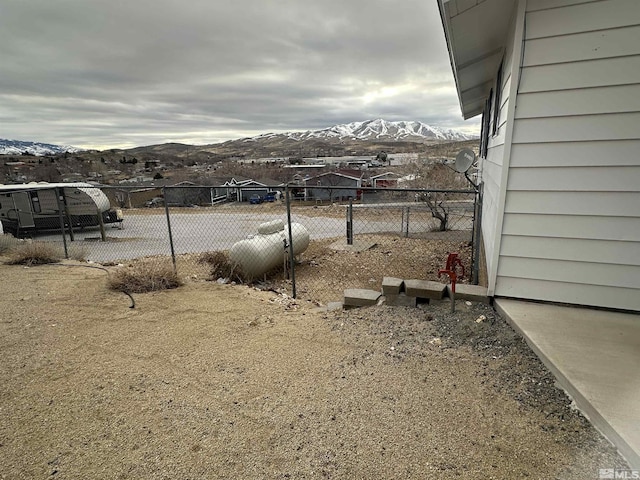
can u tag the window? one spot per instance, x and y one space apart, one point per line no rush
484 131
484 114
35 202
496 107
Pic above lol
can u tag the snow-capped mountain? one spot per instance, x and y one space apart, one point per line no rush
378 129
18 147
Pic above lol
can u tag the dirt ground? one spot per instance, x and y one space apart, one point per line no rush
220 381
323 271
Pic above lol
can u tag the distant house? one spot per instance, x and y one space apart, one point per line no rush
134 192
150 165
330 186
385 180
131 197
185 194
141 179
242 189
558 85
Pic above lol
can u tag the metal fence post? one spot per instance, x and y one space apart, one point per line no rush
67 214
103 234
477 236
287 195
350 223
64 236
406 225
166 211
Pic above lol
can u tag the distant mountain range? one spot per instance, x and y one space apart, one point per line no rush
18 147
378 130
338 139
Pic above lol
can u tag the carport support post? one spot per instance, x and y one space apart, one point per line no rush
350 223
173 252
64 236
287 196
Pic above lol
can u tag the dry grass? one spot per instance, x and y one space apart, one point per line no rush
221 266
144 277
78 253
33 253
8 243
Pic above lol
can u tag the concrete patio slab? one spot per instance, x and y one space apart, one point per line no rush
595 355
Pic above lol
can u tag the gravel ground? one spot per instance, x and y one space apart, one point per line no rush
220 381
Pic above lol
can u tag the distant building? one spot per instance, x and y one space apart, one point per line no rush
331 186
385 180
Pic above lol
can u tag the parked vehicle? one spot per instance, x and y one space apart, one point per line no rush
255 199
33 207
270 197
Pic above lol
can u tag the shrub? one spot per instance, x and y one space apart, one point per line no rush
33 253
222 267
8 243
78 252
144 277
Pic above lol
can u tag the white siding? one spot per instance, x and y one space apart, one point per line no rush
582 47
583 101
580 179
494 171
572 249
566 202
571 230
571 76
577 293
575 155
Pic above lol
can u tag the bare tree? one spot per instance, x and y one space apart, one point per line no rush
437 176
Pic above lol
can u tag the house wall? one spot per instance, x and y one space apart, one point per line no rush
322 190
495 167
247 192
571 228
138 198
183 196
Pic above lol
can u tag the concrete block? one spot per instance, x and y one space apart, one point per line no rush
360 297
424 289
473 293
392 285
333 306
401 300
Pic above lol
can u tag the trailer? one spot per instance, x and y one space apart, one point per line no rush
35 207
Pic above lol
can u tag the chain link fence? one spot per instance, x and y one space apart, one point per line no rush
310 242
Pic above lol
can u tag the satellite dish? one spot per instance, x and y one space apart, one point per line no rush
464 160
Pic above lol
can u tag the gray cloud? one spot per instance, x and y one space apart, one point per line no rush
123 73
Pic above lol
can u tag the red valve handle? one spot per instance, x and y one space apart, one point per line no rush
452 276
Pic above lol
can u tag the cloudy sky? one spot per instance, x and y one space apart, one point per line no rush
122 73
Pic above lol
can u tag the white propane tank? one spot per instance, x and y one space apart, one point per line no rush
262 252
271 227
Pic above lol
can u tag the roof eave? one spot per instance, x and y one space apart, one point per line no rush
475 52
